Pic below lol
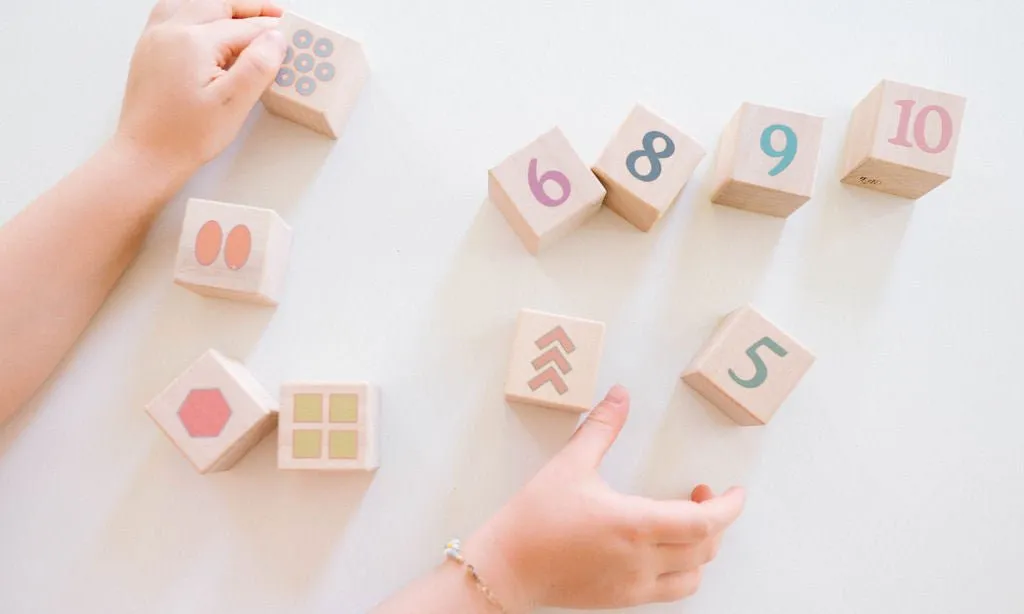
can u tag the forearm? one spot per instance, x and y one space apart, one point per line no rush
62 255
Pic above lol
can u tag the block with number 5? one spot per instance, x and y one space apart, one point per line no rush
545 191
748 367
767 159
902 139
645 167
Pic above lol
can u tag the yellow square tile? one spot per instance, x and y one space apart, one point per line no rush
307 444
344 444
344 408
309 407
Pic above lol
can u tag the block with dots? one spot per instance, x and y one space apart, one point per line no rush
329 427
214 412
748 367
319 82
902 139
545 191
555 361
645 167
767 160
233 251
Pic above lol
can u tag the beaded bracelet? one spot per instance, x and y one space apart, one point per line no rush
453 551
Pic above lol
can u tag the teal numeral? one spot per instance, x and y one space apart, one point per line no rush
787 153
651 154
760 369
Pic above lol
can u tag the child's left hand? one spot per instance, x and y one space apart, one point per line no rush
198 69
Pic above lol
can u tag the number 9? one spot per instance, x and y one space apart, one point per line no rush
787 153
537 185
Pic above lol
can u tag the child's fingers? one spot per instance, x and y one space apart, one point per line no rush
253 71
701 493
163 10
682 522
205 11
232 36
676 586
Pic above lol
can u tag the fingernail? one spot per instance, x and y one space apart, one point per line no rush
617 394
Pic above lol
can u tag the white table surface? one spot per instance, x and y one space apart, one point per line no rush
891 481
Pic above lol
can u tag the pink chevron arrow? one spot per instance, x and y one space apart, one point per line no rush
557 334
552 355
549 376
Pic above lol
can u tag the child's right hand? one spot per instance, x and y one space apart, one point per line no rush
568 540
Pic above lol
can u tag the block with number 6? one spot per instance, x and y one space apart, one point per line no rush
645 167
748 367
767 159
902 139
544 191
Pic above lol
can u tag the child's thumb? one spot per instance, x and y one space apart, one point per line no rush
255 69
602 426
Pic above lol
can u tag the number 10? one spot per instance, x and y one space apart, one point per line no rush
902 130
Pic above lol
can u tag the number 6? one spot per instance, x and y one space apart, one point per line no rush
760 369
537 185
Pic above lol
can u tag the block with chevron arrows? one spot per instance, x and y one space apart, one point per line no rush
554 361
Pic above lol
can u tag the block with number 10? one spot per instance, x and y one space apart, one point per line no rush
767 160
902 139
545 191
748 367
645 167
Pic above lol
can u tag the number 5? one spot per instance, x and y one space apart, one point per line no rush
761 369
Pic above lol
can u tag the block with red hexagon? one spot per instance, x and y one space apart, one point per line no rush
214 412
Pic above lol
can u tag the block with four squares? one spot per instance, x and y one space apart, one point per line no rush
214 412
545 191
767 159
645 167
748 367
233 251
902 139
554 361
331 427
321 78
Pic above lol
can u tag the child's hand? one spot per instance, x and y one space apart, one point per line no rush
198 69
568 540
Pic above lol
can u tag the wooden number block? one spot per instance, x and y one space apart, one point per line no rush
321 78
554 361
233 251
645 167
748 367
902 139
767 159
330 427
545 191
214 412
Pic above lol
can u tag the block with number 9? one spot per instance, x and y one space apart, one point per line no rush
767 159
645 167
748 367
902 139
545 191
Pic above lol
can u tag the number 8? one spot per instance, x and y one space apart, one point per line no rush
537 185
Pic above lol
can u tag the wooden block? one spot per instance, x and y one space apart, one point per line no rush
554 361
329 427
545 191
902 139
214 412
321 78
767 160
748 367
645 167
233 251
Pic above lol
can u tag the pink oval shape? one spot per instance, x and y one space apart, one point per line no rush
238 247
208 243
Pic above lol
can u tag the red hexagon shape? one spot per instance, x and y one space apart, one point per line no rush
204 413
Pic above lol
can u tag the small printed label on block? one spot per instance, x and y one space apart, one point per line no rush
214 412
645 167
748 367
545 191
902 139
320 79
767 160
329 427
555 360
233 251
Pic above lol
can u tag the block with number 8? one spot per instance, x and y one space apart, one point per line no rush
645 167
902 139
545 191
748 367
767 159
